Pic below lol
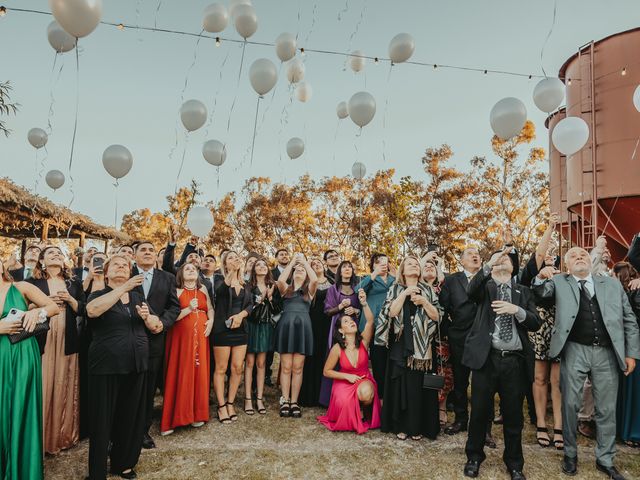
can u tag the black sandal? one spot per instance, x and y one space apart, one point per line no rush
559 444
261 411
295 411
224 421
234 417
542 441
285 409
248 411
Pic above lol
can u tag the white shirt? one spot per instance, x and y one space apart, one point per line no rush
589 285
468 274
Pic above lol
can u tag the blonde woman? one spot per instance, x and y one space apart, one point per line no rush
407 326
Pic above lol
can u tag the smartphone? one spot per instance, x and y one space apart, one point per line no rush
432 247
14 314
98 263
228 322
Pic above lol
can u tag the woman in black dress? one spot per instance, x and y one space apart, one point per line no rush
320 324
118 361
234 303
408 324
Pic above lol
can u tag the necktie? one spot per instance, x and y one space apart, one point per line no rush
146 284
27 273
505 330
583 290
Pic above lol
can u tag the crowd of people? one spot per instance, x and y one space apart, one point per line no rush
83 351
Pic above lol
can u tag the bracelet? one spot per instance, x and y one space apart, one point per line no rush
363 304
42 316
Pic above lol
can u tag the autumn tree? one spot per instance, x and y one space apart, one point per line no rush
6 107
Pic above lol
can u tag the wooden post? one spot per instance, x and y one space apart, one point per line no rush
45 231
23 250
80 250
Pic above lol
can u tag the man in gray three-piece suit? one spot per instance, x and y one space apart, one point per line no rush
595 334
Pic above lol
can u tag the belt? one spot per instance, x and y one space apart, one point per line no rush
507 353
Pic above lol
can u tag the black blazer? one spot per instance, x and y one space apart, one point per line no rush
459 309
168 263
17 274
483 290
275 273
223 304
163 302
634 252
74 321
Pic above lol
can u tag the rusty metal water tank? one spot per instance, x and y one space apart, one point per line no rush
600 80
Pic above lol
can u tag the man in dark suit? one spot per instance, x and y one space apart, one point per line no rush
31 255
498 352
634 252
159 290
282 257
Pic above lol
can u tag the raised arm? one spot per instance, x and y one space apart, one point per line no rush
545 241
284 276
367 333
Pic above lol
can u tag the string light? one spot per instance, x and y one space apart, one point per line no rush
624 71
120 26
530 77
217 41
376 60
3 11
301 50
569 82
485 72
435 67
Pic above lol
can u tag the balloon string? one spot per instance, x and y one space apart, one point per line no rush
313 23
358 23
235 97
344 10
273 94
255 125
115 214
284 118
184 152
553 24
75 125
335 138
155 22
299 16
215 98
384 118
193 63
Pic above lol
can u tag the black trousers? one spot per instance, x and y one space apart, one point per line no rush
460 381
378 357
268 365
117 410
506 376
155 371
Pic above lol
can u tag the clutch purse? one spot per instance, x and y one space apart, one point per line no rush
41 327
433 381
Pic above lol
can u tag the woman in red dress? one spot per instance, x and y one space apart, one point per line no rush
186 385
354 403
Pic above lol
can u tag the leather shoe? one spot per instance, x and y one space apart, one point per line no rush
147 442
489 441
611 472
131 474
587 429
472 468
516 474
455 427
569 465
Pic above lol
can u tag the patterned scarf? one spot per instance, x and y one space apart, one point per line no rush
423 328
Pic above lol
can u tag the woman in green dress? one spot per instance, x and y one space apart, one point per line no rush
20 381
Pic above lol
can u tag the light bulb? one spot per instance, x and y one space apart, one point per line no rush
3 11
217 41
120 26
624 71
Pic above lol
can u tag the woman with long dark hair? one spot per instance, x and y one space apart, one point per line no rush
60 367
376 285
354 403
266 304
234 303
294 333
408 324
321 323
20 379
186 384
342 299
628 421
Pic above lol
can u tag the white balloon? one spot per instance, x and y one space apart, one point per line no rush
286 46
245 20
357 61
234 4
342 110
304 91
215 18
295 148
362 108
193 114
295 70
263 75
200 221
59 39
548 94
117 161
77 17
55 179
401 47
214 152
358 170
37 137
570 135
636 98
507 117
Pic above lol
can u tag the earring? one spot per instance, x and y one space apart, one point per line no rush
343 337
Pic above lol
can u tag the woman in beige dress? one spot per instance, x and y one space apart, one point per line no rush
60 374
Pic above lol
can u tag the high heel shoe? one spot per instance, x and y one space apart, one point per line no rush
224 421
249 411
261 411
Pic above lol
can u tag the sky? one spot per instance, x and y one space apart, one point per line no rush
131 83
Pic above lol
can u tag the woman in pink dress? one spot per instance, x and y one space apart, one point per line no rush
354 403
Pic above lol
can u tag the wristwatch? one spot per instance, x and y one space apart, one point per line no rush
42 316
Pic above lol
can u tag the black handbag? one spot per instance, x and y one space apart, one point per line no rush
433 381
40 328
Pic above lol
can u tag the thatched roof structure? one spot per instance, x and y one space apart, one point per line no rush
24 215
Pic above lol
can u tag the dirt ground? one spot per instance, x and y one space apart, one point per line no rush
268 447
